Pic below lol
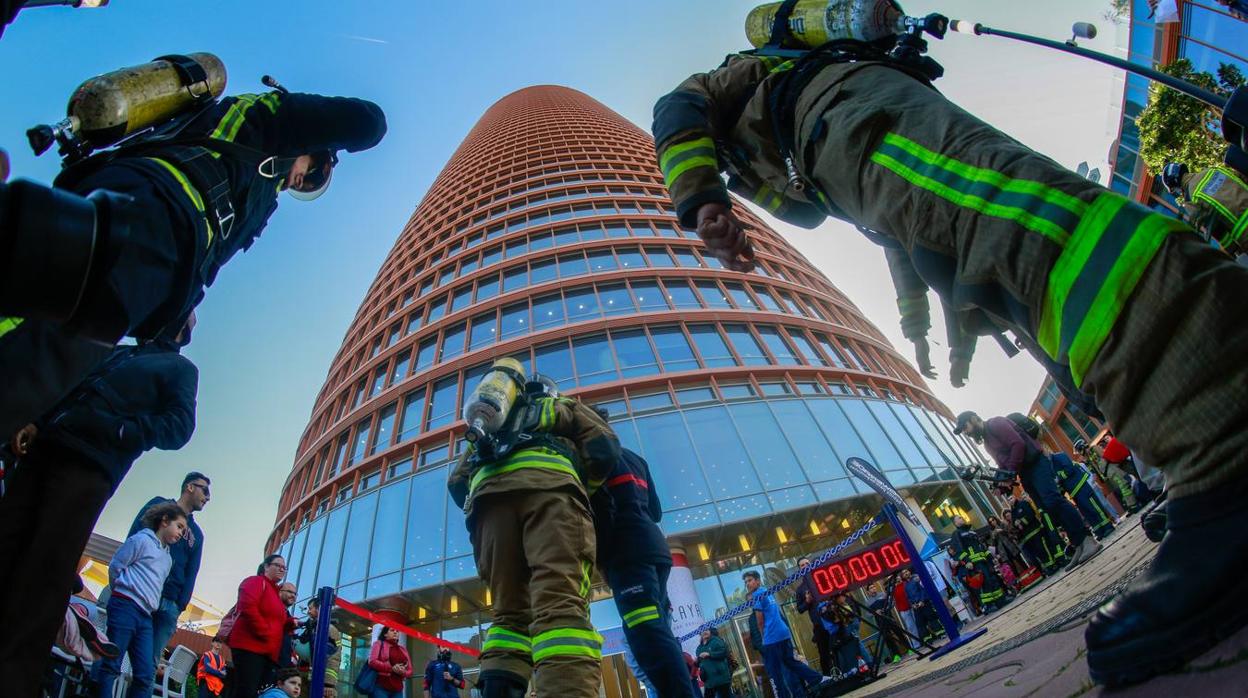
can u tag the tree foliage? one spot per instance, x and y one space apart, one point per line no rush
1177 128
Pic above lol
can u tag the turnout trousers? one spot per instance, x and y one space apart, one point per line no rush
535 551
1131 305
1099 520
640 592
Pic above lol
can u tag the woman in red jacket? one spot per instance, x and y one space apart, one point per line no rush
392 664
256 638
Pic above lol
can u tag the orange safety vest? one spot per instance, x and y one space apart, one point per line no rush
216 661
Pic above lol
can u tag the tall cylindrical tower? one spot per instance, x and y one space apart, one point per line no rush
549 237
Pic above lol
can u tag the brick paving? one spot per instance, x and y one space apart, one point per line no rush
1034 647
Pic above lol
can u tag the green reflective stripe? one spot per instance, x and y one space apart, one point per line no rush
567 642
1238 231
640 615
1094 276
682 157
501 638
702 159
546 417
1029 536
1035 206
228 127
9 324
509 634
505 645
767 198
1082 479
525 459
780 68
587 571
676 151
1200 194
271 100
990 596
986 176
191 193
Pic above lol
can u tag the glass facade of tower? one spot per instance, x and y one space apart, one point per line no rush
549 237
1207 35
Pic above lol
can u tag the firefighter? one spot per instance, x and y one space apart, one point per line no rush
1110 474
1215 201
635 559
972 551
197 200
1016 452
1036 535
1128 305
528 517
1073 480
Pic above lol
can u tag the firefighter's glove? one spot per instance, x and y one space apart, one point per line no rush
923 357
725 237
959 371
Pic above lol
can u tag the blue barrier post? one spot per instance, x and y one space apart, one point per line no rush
320 642
929 587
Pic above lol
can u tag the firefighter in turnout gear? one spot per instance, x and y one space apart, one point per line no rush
635 559
1127 305
1216 203
971 550
525 494
1109 473
1074 481
1037 536
202 189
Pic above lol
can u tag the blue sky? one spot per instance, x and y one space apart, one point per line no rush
271 324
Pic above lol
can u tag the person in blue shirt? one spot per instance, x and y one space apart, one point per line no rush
924 614
790 676
443 677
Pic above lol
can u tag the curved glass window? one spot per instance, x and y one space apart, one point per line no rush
659 257
648 295
413 413
361 440
541 241
740 297
805 347
899 435
634 352
743 507
401 364
515 278
838 429
453 342
711 346
379 380
773 459
666 445
581 303
442 402
548 311
838 359
555 360
747 347
358 539
484 331
487 287
680 295
542 270
572 264
515 248
817 455
331 550
723 456
630 258
457 542
779 348
601 260
673 348
491 256
712 294
593 360
615 299
424 536
515 320
765 296
886 455
294 560
425 354
686 258
387 552
311 555
385 428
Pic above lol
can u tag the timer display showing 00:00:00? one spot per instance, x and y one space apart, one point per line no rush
861 568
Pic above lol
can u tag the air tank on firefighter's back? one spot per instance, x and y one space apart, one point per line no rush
109 107
486 408
816 22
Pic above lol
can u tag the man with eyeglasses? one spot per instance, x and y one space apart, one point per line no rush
186 554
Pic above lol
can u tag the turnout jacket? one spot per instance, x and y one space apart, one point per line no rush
592 446
968 545
627 512
142 397
1216 200
231 139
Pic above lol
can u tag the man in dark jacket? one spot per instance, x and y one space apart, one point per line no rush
808 603
443 676
1016 452
635 559
186 553
197 202
70 463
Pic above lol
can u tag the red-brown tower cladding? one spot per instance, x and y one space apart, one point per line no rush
550 237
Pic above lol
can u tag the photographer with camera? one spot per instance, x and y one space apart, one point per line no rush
168 208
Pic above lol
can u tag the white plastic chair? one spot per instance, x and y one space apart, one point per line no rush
122 684
178 670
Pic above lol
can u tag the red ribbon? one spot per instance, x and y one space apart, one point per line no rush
412 632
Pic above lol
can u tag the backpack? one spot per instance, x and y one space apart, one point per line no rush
1025 424
227 623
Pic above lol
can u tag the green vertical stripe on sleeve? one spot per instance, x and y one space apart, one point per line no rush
1068 267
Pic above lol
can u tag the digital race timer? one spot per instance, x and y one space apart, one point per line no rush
845 574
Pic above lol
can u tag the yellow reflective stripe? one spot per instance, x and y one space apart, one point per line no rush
670 153
228 127
566 651
523 461
9 324
190 190
563 633
703 161
586 577
1238 231
271 101
639 612
503 639
509 634
567 642
1200 195
767 198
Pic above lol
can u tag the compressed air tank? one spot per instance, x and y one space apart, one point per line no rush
486 408
816 22
109 107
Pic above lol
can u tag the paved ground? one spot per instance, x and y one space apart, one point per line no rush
1035 646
